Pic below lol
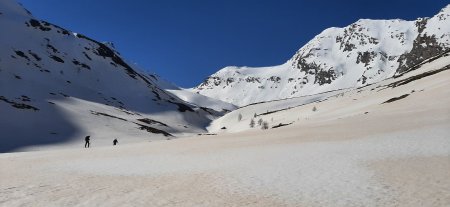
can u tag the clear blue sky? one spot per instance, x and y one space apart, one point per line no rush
184 41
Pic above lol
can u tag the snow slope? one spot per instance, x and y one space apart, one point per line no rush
362 53
345 103
397 154
191 97
383 144
201 100
57 86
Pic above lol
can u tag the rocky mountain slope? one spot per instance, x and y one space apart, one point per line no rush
428 79
57 86
386 144
362 53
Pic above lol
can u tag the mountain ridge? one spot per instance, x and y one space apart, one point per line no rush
361 53
57 86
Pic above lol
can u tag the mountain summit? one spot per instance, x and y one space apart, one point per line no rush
362 53
57 86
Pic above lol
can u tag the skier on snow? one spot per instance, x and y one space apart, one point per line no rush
87 140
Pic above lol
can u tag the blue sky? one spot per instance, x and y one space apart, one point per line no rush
184 41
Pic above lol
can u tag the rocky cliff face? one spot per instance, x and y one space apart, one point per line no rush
364 52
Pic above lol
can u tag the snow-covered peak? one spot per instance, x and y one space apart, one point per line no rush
364 52
444 11
57 86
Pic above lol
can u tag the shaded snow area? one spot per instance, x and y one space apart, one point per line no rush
201 100
56 87
356 149
353 119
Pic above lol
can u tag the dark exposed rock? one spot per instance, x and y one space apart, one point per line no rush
354 31
324 77
321 75
26 10
151 121
396 98
107 115
24 98
373 40
182 107
36 65
34 55
46 26
83 65
207 134
154 130
215 80
57 59
281 125
307 67
348 47
21 54
87 56
61 30
229 80
106 52
49 46
424 47
252 80
18 105
417 77
421 24
37 24
363 79
365 57
275 111
275 79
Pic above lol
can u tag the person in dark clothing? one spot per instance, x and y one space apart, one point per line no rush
115 142
87 139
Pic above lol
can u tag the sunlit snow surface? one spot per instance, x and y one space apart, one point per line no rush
362 53
356 149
